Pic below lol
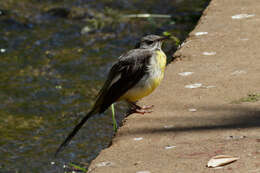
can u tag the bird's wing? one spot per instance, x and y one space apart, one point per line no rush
130 68
127 72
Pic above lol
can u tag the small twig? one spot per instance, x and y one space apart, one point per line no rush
147 16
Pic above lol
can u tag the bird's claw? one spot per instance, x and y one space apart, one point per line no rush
143 109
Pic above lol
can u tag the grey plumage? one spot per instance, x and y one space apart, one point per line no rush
130 68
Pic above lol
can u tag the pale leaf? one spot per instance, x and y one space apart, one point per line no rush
221 160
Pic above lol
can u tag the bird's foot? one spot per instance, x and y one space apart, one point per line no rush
147 107
142 110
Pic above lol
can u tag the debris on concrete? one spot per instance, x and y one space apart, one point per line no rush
221 160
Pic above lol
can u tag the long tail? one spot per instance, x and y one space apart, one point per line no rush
74 131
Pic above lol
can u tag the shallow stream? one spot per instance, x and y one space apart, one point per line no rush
54 57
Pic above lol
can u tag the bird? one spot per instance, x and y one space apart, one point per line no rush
133 76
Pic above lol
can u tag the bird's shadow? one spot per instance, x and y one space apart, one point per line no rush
219 118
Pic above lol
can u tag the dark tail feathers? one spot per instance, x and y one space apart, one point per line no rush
74 131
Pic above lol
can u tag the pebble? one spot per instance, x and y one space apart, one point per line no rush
192 110
201 33
143 172
169 147
238 72
138 139
209 53
242 16
235 137
196 85
168 126
185 73
104 164
244 39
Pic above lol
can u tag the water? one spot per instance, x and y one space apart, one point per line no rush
54 58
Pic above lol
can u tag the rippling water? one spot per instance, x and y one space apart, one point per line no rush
54 58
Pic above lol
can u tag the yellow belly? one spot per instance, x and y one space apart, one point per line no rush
148 83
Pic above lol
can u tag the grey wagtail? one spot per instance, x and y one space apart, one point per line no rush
135 75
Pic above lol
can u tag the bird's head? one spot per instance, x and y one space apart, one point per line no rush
151 42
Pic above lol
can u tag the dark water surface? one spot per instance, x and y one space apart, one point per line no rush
54 57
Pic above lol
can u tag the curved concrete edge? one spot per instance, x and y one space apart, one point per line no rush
195 117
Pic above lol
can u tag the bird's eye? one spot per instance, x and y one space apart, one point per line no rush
149 42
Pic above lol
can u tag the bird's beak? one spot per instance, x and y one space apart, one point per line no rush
162 38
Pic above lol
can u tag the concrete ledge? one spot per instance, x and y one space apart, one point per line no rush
190 125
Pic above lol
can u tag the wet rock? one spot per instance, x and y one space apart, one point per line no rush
79 13
12 24
70 13
59 12
3 12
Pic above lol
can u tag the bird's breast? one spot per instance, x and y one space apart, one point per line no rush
150 81
161 60
157 68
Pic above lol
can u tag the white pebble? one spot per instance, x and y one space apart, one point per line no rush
169 147
143 172
209 53
138 139
201 33
196 85
168 126
238 72
242 16
52 163
104 164
186 73
192 110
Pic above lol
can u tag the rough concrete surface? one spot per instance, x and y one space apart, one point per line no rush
174 139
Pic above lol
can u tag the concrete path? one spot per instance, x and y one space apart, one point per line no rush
190 125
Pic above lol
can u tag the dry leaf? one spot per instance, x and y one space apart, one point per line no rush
221 160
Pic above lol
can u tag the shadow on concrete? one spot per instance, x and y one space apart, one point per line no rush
211 118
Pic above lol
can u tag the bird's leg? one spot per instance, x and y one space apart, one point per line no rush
140 109
147 107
